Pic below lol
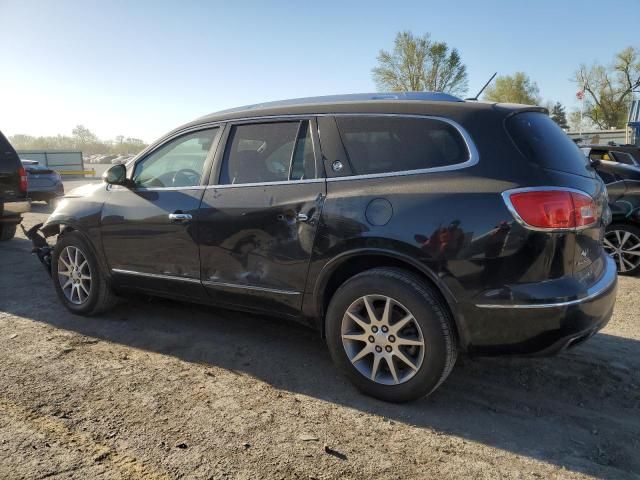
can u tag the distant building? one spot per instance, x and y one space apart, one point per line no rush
601 137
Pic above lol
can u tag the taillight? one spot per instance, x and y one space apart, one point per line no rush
550 209
23 179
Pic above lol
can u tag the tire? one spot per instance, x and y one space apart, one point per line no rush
622 243
100 297
431 324
7 232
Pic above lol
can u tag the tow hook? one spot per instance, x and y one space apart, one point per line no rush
40 246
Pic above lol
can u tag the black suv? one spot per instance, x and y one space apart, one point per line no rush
404 227
627 154
13 190
622 237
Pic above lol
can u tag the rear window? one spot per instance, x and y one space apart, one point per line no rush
542 141
394 144
8 156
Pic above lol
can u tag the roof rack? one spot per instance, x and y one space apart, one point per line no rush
352 97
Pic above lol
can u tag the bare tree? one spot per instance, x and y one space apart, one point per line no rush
608 90
420 64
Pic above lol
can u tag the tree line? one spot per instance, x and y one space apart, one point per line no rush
418 63
81 139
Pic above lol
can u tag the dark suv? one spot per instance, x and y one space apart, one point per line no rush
404 227
622 237
13 190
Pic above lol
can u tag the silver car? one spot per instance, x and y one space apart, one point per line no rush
43 184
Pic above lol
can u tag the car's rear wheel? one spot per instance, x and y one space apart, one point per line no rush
391 335
77 277
7 232
622 243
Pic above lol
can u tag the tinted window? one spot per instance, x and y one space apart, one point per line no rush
303 165
8 156
179 163
623 157
542 141
264 152
393 144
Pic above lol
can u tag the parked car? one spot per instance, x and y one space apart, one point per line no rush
404 227
45 185
13 190
622 237
627 154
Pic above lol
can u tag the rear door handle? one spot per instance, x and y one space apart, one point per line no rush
179 217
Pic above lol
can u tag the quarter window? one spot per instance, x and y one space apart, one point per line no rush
179 163
268 152
394 144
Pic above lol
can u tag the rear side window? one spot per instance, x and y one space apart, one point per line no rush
542 141
395 144
268 152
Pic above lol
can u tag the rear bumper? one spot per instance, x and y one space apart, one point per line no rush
11 211
541 326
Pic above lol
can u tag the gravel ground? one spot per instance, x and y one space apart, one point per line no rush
158 389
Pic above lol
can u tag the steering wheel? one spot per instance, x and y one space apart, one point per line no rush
185 177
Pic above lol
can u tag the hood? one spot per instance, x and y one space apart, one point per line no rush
86 190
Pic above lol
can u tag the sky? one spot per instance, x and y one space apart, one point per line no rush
141 68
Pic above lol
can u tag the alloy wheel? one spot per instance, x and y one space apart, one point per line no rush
74 275
382 339
624 248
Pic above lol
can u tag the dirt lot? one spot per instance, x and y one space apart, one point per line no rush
157 389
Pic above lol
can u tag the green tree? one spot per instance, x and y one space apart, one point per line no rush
559 115
608 90
516 88
420 64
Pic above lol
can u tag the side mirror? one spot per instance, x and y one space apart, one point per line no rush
116 175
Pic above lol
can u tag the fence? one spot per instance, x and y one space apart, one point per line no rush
63 162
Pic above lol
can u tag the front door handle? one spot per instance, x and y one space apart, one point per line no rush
179 217
302 217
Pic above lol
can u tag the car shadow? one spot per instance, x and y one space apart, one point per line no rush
579 410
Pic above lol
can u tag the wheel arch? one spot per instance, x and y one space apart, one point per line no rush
353 262
63 225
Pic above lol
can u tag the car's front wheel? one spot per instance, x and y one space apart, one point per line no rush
391 335
77 277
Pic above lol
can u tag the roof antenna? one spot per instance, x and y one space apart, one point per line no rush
482 89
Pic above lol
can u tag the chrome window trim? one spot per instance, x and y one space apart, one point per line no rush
155 275
474 156
249 287
506 196
119 188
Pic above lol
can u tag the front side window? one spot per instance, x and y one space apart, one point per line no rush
179 163
395 144
268 152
